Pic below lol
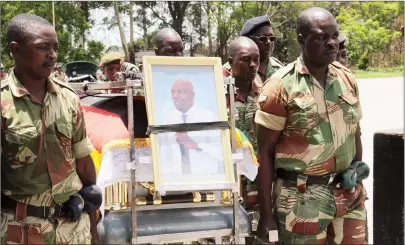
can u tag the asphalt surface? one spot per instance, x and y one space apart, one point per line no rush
382 100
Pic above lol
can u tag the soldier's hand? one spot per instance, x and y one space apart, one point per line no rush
265 225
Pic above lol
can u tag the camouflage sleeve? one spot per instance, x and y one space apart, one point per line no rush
126 67
356 90
81 144
271 112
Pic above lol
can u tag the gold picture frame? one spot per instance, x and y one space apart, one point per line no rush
193 69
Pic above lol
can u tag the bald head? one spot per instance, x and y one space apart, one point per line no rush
184 84
241 43
168 43
308 18
244 59
317 34
183 95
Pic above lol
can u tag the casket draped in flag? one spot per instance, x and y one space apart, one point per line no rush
108 133
103 128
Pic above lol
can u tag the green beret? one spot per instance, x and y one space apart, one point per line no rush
112 57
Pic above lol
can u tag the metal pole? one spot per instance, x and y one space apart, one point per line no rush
53 13
232 108
235 193
130 103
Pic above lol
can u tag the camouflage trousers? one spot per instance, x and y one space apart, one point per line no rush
320 214
43 231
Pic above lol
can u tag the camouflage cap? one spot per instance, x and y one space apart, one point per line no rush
111 57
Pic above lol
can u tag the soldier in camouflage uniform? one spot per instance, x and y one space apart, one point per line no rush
260 31
112 63
244 59
342 53
309 137
45 157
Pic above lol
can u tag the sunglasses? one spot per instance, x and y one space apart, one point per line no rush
265 38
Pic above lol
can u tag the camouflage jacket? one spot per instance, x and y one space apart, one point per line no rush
40 143
272 66
125 67
246 108
318 126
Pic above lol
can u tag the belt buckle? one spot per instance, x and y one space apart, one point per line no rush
331 178
51 212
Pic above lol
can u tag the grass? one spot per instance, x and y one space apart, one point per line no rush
378 74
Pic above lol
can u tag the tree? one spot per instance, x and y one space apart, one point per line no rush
198 28
92 53
70 24
370 27
207 7
226 20
145 21
176 10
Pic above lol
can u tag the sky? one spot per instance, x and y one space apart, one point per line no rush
99 32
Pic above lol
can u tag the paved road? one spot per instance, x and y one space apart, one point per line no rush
382 100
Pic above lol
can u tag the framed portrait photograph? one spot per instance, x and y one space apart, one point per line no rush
188 92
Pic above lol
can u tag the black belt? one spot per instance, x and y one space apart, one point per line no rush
10 205
312 180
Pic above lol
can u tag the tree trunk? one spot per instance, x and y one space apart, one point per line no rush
85 7
131 22
177 12
209 28
201 34
145 27
122 35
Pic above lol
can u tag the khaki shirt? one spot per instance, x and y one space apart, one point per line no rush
40 143
318 125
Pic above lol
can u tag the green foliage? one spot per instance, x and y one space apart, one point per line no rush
140 42
370 28
373 28
70 21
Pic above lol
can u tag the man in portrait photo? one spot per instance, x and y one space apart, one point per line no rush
192 152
